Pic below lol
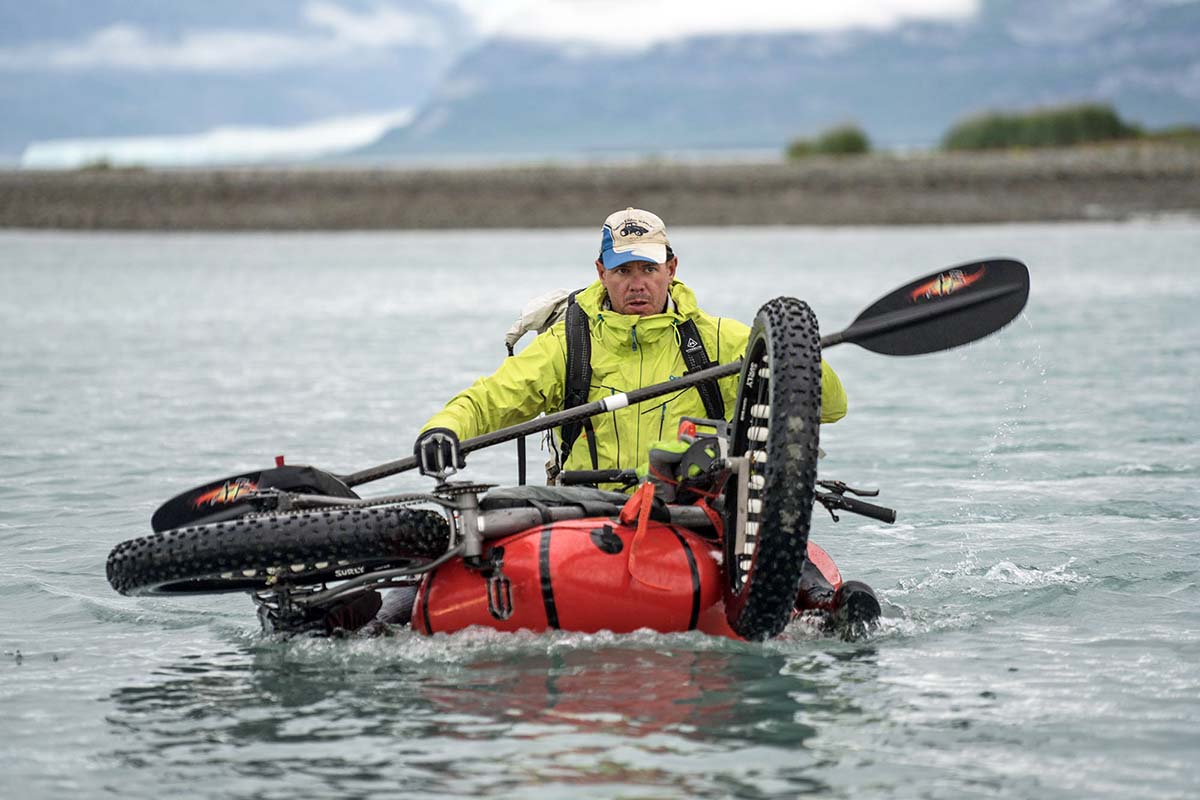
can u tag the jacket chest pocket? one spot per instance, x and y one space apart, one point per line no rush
661 421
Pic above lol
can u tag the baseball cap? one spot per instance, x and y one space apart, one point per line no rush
633 235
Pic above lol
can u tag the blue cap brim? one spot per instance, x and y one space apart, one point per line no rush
612 260
654 253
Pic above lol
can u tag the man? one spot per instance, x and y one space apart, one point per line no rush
641 322
638 325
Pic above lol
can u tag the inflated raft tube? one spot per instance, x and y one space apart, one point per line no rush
588 575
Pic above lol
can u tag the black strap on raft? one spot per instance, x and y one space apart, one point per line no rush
579 375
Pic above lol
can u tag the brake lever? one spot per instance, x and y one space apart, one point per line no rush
840 487
827 501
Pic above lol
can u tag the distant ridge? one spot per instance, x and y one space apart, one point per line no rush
184 74
904 86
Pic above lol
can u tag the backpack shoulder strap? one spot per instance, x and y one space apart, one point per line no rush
695 357
579 378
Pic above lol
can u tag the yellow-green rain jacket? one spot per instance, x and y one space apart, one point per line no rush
628 352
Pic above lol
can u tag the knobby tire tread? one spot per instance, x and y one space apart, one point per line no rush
759 605
212 558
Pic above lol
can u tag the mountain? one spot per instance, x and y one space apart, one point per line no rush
146 68
905 85
194 81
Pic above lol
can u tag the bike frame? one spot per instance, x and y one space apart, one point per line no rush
471 526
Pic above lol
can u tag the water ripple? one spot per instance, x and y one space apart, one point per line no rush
1041 592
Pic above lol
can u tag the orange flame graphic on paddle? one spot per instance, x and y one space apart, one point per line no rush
228 493
945 284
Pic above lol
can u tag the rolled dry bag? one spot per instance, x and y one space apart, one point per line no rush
575 575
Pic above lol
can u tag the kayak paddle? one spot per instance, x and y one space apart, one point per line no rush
937 312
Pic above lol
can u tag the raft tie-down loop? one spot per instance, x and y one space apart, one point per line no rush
638 508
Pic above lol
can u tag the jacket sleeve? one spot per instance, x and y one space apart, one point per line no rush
524 386
732 338
833 396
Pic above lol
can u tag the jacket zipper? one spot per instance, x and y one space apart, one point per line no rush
637 448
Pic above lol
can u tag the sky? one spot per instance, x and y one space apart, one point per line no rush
195 82
636 24
326 31
329 30
220 40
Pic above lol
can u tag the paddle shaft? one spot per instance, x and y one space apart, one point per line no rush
558 418
862 329
892 326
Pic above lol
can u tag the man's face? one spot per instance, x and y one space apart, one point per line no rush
639 287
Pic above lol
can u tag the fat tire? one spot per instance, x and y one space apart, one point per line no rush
781 372
264 551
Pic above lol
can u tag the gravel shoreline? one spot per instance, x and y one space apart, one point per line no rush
1100 183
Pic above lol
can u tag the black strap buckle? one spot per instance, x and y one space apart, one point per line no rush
499 588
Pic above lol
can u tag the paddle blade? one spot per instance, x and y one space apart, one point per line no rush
206 501
230 497
942 310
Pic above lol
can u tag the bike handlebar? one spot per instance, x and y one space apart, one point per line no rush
843 503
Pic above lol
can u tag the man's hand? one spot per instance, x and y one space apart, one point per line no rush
437 452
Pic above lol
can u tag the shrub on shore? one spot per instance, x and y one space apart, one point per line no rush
1060 126
844 140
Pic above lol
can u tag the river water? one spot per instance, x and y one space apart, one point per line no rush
1041 589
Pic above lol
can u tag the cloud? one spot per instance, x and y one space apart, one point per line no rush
1183 82
488 16
330 31
225 145
636 24
384 27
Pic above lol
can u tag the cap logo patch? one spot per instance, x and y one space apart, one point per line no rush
633 235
